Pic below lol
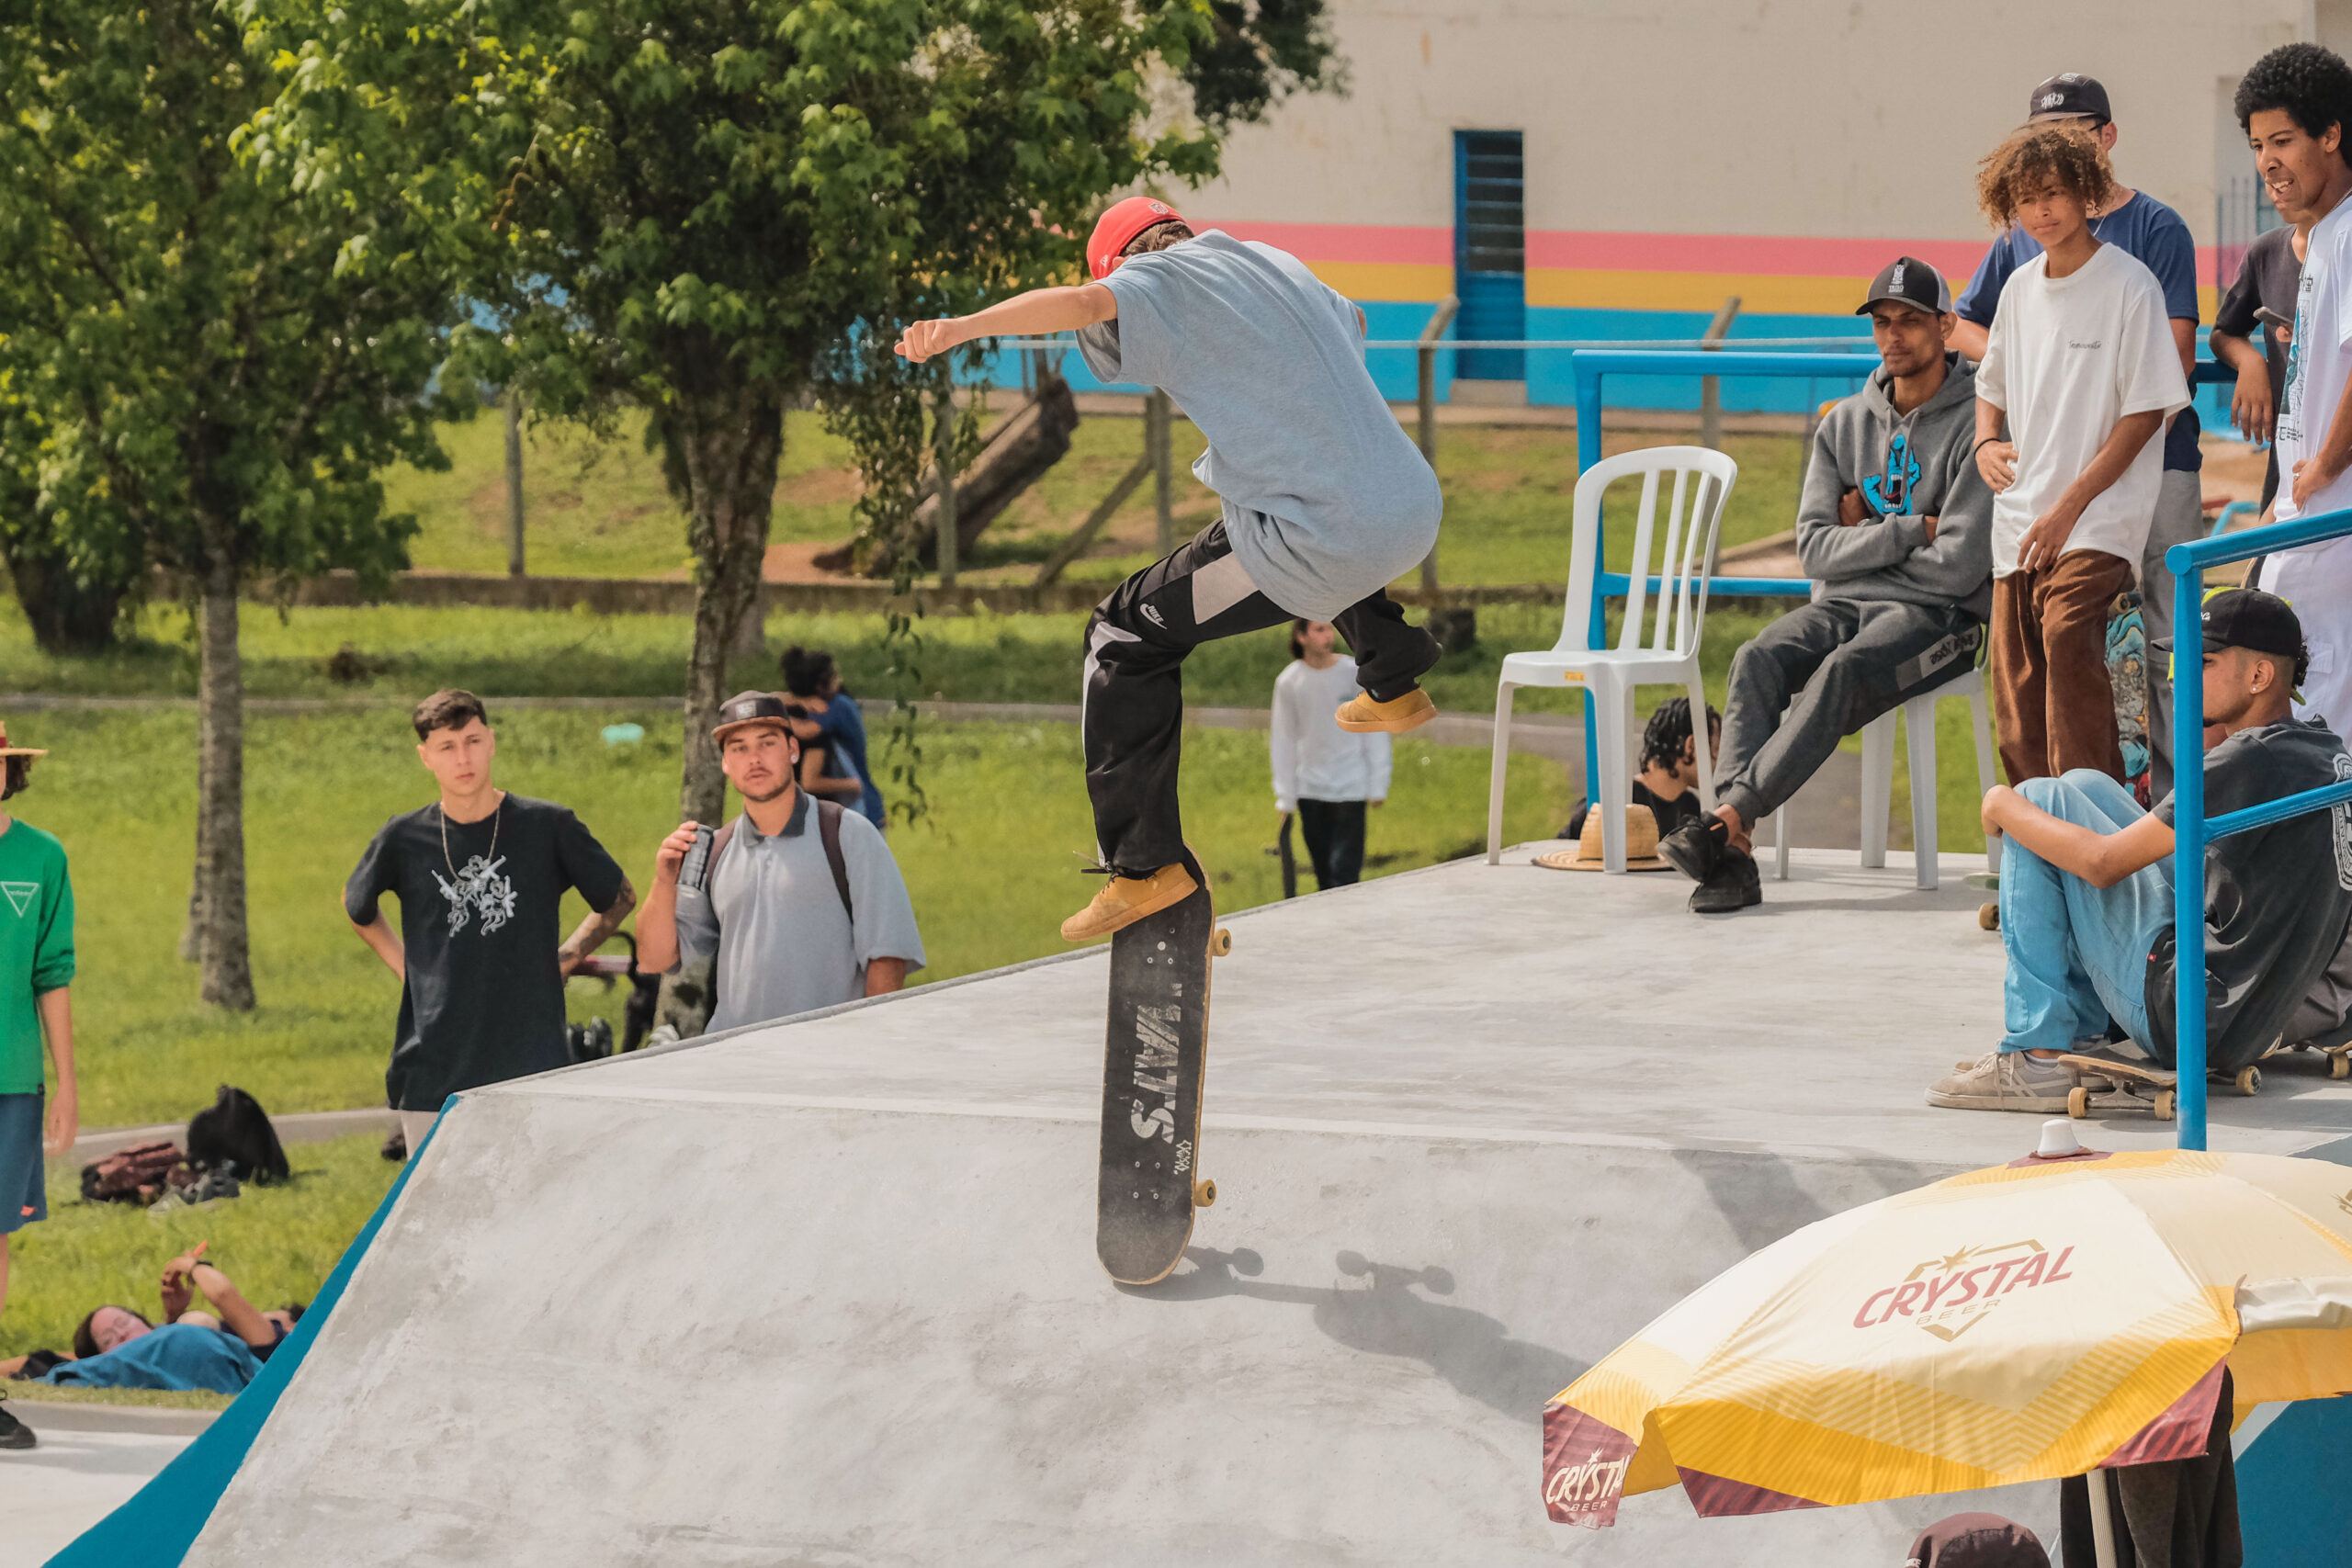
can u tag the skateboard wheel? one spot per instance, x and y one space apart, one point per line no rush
2164 1106
2078 1102
2249 1081
1988 917
2339 1066
1204 1193
1221 944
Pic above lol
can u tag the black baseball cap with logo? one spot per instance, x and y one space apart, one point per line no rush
2247 619
1907 280
745 709
2070 94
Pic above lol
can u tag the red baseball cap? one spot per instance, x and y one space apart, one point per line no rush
1121 224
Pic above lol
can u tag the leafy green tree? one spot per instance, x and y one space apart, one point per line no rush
692 206
217 353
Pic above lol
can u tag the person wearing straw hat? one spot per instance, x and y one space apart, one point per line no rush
36 970
2087 891
1326 502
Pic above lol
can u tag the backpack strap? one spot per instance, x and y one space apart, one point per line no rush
718 842
829 829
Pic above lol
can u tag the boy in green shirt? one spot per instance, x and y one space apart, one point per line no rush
36 966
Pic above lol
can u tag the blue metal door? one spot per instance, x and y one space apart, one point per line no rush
1491 252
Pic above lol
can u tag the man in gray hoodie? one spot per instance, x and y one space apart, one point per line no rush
1894 528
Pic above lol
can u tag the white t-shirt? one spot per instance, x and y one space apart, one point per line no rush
2317 362
2069 356
1314 758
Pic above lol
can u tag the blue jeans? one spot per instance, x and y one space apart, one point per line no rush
2078 955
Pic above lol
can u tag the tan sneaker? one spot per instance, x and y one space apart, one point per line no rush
1411 711
2006 1080
1127 899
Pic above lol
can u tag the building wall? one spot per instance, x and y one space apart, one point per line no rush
1678 151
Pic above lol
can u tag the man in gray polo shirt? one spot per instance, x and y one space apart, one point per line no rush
800 900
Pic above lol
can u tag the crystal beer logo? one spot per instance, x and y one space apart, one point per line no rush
1572 1485
1947 1296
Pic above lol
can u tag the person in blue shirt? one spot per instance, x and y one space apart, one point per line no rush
811 675
2154 235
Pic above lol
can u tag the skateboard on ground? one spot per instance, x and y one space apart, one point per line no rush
2335 1048
1154 1058
2110 1083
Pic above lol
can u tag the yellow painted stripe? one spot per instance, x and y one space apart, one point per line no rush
1386 280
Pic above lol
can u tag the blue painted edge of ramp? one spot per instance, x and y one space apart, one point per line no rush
162 1518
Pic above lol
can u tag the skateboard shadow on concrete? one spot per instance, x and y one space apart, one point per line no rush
1389 1313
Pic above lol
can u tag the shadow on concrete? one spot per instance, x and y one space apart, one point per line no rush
1758 1197
1386 1316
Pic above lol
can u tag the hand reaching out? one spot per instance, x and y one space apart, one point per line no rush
924 340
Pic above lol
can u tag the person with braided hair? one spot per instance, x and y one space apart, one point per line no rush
1666 774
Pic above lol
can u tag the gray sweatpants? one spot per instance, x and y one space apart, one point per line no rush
1818 674
2179 517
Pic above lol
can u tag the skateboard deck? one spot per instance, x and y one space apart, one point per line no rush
2110 1083
1154 1059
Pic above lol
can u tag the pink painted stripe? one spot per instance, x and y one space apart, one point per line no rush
1765 256
1711 1496
1561 250
1349 242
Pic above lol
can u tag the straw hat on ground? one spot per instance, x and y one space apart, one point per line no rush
1641 844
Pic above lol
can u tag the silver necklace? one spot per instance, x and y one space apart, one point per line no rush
493 835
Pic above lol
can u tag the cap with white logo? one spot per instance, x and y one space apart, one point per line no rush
2070 94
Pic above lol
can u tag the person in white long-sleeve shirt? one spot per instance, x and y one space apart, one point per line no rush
1325 774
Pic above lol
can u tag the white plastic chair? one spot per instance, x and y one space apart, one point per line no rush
1918 716
1659 641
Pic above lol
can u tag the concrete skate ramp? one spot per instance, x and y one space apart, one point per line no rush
825 1292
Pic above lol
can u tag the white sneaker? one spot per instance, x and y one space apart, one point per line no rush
2005 1080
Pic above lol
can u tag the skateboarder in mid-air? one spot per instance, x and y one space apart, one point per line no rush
1326 502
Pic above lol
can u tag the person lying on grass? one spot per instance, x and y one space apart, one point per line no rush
118 1347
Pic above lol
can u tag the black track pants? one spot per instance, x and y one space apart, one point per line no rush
1136 646
1334 833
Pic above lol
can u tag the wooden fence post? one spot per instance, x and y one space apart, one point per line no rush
1711 388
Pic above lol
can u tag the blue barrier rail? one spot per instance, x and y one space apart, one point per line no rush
2192 829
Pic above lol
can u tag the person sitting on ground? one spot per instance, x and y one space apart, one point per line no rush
1667 776
1894 528
2087 890
798 920
815 682
1321 771
118 1347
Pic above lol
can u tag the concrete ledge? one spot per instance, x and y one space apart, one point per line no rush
45 1415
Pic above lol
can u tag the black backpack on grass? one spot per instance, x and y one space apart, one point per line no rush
233 1135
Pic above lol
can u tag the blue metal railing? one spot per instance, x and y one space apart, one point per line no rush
2192 829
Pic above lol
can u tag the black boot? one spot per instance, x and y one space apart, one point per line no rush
14 1434
1697 848
1735 884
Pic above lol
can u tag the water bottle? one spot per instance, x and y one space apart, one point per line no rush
693 872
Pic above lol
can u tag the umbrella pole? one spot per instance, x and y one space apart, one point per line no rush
2102 1523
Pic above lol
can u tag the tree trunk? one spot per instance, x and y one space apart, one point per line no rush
67 613
727 437
218 907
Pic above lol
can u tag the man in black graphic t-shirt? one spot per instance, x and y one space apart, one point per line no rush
480 876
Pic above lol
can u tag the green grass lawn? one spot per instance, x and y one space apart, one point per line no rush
992 873
596 506
278 1244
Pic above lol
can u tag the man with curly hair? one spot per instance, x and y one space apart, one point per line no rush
2082 369
1326 500
2086 893
2144 228
2295 104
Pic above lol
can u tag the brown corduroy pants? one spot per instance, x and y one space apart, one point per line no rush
2051 695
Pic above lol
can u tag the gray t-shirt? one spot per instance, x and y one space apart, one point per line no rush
774 915
1326 499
